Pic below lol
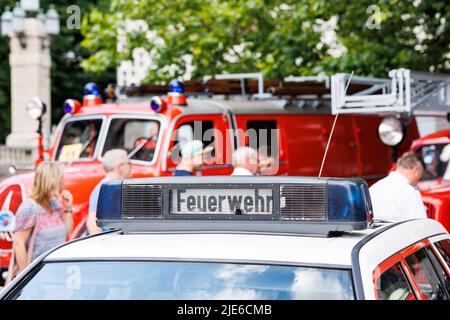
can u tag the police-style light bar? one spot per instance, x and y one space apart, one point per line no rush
71 106
176 93
257 204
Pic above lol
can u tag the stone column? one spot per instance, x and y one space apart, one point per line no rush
30 77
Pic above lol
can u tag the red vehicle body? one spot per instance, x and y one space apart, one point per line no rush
301 138
435 189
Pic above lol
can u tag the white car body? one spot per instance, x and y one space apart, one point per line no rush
359 251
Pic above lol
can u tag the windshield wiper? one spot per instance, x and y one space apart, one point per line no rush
88 143
138 148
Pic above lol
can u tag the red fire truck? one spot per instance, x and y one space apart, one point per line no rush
404 96
291 119
435 186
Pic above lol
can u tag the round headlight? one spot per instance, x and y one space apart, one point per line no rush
36 108
390 131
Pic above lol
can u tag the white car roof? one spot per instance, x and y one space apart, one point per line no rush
234 247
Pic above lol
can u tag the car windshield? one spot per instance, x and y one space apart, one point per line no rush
139 137
149 280
78 140
436 158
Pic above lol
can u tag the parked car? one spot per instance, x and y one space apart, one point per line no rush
238 238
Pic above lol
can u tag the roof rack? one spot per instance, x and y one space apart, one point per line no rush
251 86
416 93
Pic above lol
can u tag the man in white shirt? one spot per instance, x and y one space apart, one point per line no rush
396 196
245 162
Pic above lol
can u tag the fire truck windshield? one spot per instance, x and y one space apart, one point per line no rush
436 158
78 140
139 137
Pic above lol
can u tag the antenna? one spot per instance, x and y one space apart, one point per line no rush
332 129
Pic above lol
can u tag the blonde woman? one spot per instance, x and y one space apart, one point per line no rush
43 221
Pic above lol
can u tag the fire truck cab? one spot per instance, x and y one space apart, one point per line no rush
292 124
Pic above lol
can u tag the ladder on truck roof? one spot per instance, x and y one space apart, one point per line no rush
415 93
252 86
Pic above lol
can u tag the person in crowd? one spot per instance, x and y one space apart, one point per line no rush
267 163
45 219
245 162
191 158
396 197
117 166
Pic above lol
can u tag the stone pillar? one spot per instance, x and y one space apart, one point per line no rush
30 77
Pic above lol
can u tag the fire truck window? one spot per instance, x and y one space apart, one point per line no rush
425 275
393 285
262 135
444 249
185 133
195 130
436 159
78 140
138 137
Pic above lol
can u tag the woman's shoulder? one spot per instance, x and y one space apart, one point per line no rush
29 207
26 209
27 204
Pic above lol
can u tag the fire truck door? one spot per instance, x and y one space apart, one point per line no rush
215 133
266 134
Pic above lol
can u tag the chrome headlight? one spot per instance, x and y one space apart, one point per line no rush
36 108
390 131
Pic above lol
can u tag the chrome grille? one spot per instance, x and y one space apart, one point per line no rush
141 201
303 202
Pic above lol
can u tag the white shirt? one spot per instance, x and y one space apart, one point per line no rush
241 172
394 198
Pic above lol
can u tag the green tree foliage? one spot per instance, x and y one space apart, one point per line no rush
276 37
411 34
67 76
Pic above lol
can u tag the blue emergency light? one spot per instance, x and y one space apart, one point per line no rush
92 95
176 86
71 106
258 204
176 96
91 89
157 104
